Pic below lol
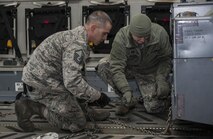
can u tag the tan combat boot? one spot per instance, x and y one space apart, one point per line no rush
123 109
97 115
25 109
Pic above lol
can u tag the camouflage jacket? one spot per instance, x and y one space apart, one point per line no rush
56 65
153 57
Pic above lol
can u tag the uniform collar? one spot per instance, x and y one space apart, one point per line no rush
84 36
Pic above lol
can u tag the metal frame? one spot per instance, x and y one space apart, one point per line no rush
28 13
192 96
87 9
11 53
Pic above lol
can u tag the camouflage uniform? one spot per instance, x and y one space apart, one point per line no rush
149 64
54 71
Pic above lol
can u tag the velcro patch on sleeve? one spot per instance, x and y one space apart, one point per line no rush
78 56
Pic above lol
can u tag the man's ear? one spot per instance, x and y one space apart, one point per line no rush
93 27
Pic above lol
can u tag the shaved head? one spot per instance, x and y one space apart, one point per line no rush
98 16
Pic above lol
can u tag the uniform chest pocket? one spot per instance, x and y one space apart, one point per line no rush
133 56
153 50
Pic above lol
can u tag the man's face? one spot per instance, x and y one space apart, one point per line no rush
100 33
140 40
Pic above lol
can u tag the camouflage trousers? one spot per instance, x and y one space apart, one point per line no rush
153 102
62 110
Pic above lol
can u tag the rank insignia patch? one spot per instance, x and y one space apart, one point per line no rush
78 56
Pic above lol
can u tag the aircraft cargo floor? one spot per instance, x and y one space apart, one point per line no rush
136 125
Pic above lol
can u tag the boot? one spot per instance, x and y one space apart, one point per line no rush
123 109
97 115
25 109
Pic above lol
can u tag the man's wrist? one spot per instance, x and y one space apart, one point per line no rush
95 97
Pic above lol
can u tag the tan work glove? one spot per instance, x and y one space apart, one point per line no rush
127 98
163 88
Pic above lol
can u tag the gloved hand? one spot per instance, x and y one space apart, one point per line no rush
81 100
163 87
127 98
102 101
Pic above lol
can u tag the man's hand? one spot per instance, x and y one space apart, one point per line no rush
102 101
127 97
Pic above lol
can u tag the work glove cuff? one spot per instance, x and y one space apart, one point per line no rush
127 98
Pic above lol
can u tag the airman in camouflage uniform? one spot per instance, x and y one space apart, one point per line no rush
141 51
55 81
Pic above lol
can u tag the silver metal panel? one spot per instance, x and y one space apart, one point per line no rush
201 8
192 96
9 80
10 85
193 37
95 81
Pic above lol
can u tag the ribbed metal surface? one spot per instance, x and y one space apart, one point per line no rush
131 126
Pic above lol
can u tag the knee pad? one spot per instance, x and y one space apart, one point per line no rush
154 106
